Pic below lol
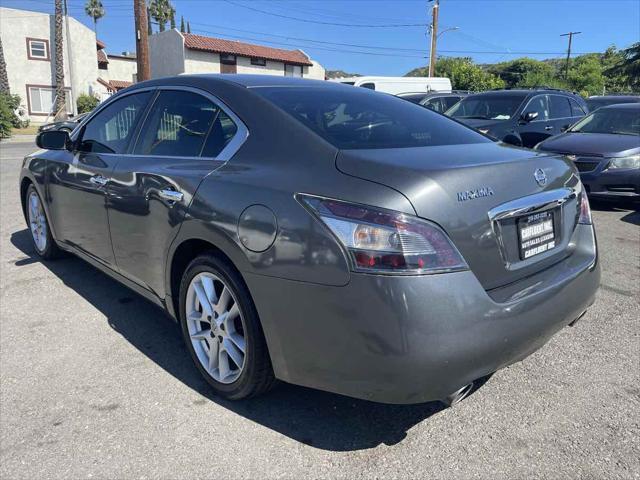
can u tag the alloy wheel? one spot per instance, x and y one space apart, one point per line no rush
37 222
216 327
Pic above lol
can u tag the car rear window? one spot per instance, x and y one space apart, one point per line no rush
352 118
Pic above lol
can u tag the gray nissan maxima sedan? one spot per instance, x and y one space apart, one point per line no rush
324 235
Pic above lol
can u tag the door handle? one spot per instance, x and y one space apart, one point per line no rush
171 195
548 127
99 180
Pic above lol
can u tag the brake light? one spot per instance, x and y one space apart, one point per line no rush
384 241
585 209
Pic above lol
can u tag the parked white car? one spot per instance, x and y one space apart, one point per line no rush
396 85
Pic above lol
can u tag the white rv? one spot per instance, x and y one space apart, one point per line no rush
396 85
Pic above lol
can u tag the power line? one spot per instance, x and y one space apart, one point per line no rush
305 20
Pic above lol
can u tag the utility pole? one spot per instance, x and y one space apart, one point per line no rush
566 67
434 37
142 40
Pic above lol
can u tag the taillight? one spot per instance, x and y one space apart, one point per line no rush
384 241
585 209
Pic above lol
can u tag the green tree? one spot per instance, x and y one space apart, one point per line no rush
173 19
585 75
86 103
4 79
188 27
149 27
60 104
161 11
181 24
628 67
95 10
463 73
524 72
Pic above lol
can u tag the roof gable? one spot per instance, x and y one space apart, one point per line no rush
218 45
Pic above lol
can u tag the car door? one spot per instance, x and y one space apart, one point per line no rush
186 135
534 131
559 113
78 181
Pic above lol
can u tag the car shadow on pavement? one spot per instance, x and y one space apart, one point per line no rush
320 419
633 217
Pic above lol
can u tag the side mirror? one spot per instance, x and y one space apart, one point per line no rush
529 116
53 140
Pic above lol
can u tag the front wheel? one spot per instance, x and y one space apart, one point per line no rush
43 241
222 331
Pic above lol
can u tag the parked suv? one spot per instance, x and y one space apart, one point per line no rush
522 117
437 101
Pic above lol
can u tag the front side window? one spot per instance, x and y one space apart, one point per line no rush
42 100
355 118
180 124
292 71
37 49
111 129
487 107
559 107
539 105
434 104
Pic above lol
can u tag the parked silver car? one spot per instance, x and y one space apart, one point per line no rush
320 234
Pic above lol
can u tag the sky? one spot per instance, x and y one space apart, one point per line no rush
387 37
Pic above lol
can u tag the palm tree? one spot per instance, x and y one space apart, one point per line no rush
95 10
61 111
161 11
4 79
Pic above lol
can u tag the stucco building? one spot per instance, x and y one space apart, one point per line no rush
173 53
28 40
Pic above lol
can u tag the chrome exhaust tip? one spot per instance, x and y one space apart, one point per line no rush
457 396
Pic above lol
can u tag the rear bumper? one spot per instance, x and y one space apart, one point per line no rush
414 339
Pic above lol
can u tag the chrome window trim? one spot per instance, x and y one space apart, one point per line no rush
224 156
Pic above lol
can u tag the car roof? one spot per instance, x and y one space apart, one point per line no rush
250 81
617 97
622 106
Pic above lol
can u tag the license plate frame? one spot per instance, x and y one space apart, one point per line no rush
536 234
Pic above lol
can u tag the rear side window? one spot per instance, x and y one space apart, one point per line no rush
450 102
354 118
222 132
111 129
177 125
559 106
576 109
370 86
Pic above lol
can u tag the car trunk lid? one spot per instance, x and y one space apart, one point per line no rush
472 191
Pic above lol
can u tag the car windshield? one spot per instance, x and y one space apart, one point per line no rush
486 107
355 118
610 120
597 102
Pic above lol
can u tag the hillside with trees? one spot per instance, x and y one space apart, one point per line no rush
592 74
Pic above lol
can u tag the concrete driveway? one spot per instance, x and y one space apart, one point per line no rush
95 382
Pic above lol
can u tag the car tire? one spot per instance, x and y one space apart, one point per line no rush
203 282
39 226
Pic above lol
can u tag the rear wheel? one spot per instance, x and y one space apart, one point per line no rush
222 331
43 242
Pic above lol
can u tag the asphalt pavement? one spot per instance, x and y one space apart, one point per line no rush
95 383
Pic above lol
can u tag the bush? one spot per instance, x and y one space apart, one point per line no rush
8 119
86 103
